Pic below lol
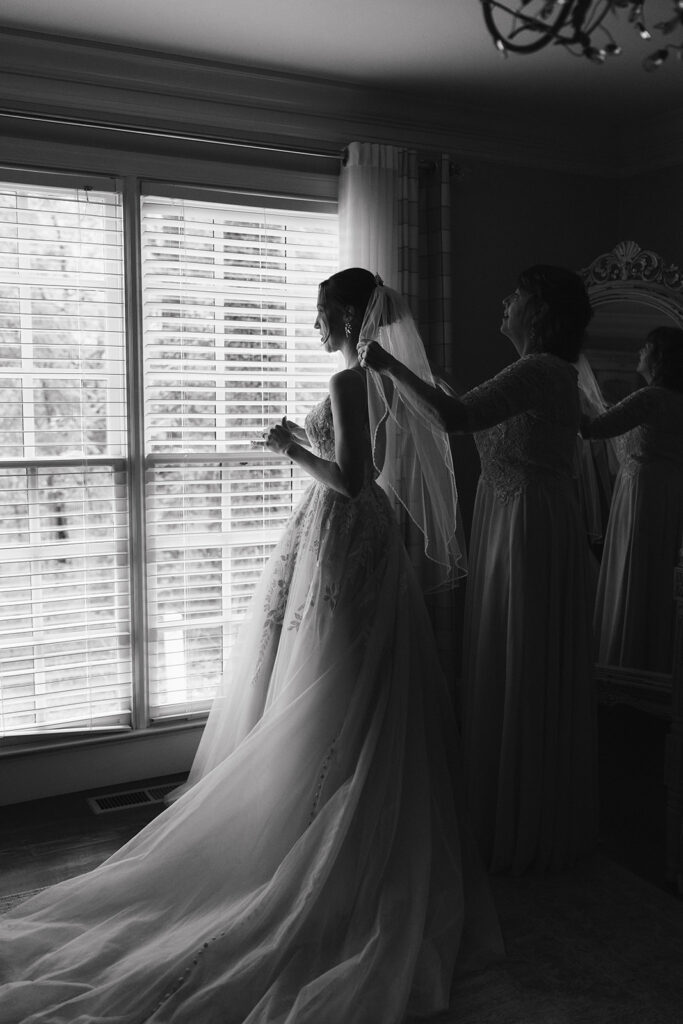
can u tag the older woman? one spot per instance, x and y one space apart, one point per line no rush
528 709
634 609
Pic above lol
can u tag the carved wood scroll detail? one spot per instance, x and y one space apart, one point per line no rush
628 262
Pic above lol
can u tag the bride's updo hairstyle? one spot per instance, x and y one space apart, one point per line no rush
559 311
352 287
665 357
355 287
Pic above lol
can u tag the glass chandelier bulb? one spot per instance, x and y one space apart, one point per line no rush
655 60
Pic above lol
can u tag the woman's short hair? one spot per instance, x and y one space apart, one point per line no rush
559 311
664 356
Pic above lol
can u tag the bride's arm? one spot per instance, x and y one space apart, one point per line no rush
349 414
451 412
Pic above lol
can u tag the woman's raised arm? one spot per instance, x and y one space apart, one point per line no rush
630 412
451 413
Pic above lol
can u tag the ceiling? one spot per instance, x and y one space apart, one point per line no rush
430 46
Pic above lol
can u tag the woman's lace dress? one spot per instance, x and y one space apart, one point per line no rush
316 869
528 708
634 608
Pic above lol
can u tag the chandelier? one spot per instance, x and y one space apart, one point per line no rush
525 26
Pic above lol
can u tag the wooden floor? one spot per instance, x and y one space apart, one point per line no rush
573 952
44 841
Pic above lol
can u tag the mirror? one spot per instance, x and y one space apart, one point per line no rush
632 290
614 339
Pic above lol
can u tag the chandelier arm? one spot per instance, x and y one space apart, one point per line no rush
572 24
551 29
600 15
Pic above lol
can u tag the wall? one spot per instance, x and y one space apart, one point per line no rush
90 764
650 211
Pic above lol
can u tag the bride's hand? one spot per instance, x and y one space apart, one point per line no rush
372 355
297 432
278 439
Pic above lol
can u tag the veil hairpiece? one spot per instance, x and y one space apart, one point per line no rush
410 449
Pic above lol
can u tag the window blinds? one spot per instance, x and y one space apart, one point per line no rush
64 622
229 298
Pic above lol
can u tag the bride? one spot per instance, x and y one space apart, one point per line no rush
316 866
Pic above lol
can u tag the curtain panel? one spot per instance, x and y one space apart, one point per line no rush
395 220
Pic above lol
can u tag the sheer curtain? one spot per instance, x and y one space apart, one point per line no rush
394 219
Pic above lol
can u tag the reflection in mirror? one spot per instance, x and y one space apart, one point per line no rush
634 292
613 341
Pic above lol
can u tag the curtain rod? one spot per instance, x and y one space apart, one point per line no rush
178 136
427 166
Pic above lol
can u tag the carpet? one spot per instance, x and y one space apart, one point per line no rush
595 945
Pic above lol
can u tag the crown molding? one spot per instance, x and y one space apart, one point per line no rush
122 86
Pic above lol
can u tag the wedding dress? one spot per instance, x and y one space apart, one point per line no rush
317 869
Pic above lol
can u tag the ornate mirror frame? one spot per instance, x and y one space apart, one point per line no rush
631 274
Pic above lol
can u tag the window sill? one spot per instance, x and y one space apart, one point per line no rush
27 746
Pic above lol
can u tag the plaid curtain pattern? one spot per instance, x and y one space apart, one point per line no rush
396 209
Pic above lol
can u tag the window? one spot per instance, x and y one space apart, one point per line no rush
64 616
228 304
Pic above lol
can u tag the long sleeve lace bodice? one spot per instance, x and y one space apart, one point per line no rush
651 420
525 421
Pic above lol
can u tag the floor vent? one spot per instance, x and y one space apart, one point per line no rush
105 803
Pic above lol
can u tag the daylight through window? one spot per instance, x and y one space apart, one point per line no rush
228 304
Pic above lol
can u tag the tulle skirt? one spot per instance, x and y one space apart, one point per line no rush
529 714
634 608
317 869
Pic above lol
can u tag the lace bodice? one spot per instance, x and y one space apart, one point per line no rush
525 421
651 420
319 427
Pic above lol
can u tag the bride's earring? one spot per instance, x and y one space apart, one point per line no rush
348 329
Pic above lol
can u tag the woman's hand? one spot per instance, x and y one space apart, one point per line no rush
279 438
298 433
372 355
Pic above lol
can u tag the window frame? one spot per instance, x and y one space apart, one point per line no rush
117 463
134 463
